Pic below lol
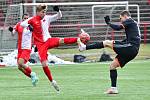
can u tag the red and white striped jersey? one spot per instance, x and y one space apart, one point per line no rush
24 36
41 26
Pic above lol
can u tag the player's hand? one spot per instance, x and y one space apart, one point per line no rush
56 8
107 20
30 28
10 29
35 49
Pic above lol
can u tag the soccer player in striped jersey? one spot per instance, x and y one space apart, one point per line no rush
42 38
24 48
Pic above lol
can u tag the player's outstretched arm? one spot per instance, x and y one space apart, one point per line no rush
113 26
56 16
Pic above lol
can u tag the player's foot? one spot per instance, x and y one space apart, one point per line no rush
34 78
81 46
112 90
54 84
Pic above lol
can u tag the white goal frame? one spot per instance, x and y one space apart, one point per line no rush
69 3
126 6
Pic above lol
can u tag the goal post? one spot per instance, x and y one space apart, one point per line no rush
111 8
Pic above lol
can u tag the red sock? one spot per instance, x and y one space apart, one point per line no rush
70 40
24 71
28 71
48 73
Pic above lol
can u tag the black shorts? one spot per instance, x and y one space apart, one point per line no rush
125 52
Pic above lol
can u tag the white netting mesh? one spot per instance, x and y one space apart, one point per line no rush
13 15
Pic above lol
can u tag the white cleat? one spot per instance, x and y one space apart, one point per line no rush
81 46
34 78
56 87
112 90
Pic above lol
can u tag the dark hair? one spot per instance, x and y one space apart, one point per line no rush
125 13
25 14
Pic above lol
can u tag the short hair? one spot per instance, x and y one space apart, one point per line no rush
125 12
41 7
25 14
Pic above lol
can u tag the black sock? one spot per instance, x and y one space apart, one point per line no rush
96 45
113 77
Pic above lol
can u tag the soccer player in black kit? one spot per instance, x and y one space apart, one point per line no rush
126 50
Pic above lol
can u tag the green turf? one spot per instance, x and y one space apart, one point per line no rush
85 81
95 54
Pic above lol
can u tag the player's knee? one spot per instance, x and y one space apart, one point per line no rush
44 63
19 68
20 62
114 65
61 41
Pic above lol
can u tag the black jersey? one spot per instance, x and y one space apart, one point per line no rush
132 31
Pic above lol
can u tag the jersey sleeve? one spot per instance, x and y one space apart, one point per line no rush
126 23
54 17
116 27
26 22
15 29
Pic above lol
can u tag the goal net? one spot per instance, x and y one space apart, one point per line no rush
100 11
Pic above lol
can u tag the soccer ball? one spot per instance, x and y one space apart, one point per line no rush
84 37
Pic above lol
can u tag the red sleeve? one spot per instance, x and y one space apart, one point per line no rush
16 27
30 21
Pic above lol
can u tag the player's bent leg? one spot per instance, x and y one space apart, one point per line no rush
21 62
115 64
23 71
27 71
22 66
113 77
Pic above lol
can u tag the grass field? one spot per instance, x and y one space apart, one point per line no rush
67 54
86 81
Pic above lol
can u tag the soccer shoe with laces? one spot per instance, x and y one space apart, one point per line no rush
81 46
34 78
56 87
112 90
